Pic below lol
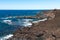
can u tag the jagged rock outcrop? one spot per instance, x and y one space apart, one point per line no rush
47 30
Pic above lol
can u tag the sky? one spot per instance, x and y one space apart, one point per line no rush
29 4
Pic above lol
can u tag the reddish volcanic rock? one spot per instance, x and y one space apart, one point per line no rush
47 30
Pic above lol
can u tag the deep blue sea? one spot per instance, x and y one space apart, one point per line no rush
4 13
8 26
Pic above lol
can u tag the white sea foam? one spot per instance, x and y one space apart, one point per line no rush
7 21
39 20
27 24
6 37
23 22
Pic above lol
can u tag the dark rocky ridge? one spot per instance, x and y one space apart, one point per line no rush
47 30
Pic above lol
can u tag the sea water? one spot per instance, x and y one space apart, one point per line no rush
9 26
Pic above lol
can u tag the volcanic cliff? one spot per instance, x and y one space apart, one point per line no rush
46 30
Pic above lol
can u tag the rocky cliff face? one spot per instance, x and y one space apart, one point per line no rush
47 30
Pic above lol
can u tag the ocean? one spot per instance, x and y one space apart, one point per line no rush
9 25
4 13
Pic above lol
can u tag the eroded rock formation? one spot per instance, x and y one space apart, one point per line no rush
47 30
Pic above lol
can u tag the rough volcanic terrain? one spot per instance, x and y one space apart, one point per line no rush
46 30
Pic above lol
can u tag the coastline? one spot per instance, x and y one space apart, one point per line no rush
46 30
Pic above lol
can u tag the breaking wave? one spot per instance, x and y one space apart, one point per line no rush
6 37
20 22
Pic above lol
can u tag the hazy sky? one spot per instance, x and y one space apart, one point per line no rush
29 4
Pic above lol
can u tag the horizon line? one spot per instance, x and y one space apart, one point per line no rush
30 9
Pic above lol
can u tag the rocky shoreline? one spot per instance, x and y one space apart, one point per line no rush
44 30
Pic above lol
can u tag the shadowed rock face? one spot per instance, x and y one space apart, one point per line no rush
47 30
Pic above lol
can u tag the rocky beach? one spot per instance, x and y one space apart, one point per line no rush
42 30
